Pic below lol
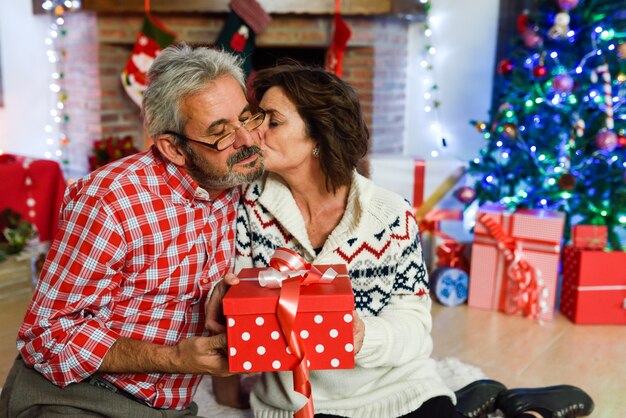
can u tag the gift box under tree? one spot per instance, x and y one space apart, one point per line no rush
594 286
323 322
515 257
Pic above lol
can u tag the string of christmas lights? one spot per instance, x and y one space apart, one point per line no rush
430 89
57 141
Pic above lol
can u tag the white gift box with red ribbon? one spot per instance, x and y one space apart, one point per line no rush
515 258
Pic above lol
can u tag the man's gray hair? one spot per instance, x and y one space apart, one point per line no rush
177 72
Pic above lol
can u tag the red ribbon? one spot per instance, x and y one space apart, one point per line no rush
524 283
290 272
419 175
431 220
451 252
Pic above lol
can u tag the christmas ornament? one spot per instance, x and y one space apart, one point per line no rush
606 140
341 35
150 41
522 22
621 50
561 26
568 4
245 20
465 194
481 127
510 130
504 107
532 39
505 67
563 83
540 71
621 140
567 182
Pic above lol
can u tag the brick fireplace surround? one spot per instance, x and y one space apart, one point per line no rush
99 45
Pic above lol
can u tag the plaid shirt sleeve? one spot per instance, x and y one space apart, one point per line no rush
64 334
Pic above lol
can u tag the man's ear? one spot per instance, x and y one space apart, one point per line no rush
169 150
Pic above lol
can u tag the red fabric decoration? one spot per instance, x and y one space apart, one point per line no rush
334 55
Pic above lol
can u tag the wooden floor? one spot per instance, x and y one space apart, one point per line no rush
516 351
521 353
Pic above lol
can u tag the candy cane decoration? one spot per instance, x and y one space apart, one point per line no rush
603 70
578 132
579 127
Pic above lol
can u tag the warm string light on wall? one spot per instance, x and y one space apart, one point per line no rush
57 141
429 87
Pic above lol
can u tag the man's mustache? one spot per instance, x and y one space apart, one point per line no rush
242 155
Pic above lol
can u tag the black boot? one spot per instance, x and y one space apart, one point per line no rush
478 398
557 401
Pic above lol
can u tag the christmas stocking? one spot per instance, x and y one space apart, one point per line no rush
334 55
246 19
150 41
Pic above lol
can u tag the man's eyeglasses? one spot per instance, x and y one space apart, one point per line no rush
225 140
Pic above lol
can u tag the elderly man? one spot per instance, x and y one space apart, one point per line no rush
118 323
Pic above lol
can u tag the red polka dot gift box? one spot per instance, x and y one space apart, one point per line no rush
322 324
594 286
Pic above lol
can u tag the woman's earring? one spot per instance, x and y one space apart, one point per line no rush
316 151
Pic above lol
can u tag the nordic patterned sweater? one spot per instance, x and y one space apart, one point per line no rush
377 238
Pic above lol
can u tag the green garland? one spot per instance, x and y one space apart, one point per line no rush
17 233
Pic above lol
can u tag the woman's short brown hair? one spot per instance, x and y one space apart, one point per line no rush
331 112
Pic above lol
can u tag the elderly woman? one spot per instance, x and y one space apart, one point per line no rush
315 203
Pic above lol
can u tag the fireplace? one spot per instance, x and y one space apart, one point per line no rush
99 45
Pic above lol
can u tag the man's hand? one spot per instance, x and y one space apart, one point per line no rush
358 328
214 318
201 355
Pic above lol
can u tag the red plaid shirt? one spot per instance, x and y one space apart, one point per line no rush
138 246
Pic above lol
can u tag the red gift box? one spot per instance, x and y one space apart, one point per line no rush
531 242
594 287
323 322
590 236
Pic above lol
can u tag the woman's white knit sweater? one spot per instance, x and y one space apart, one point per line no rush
377 238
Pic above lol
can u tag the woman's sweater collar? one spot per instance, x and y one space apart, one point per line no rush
278 200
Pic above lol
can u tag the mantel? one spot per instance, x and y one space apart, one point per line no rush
348 7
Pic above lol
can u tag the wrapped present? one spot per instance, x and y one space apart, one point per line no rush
425 183
590 236
291 316
515 258
323 320
446 248
594 287
445 242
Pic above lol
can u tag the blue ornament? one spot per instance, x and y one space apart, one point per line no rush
450 285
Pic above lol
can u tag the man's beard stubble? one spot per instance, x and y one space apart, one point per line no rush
205 174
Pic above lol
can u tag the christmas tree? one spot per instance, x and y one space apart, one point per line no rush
556 138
